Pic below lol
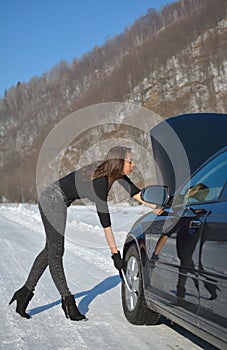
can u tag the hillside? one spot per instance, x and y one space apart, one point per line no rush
170 62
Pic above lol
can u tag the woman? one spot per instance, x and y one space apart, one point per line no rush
93 182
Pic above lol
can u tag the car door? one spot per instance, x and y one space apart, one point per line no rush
208 199
176 270
213 250
164 273
186 262
213 272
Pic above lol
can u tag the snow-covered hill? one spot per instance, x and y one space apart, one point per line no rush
91 276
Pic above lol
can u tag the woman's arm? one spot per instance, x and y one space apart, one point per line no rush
110 239
138 198
150 205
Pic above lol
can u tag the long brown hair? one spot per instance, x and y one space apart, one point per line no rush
111 167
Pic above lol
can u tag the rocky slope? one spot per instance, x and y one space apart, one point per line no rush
171 62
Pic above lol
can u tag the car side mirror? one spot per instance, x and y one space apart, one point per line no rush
155 194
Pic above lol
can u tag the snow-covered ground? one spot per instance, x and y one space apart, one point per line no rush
91 277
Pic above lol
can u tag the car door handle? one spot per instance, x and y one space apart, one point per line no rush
195 224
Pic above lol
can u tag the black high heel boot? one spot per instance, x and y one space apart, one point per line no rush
22 296
71 310
212 289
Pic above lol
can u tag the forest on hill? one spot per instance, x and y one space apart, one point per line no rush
171 62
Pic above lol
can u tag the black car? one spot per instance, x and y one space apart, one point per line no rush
187 281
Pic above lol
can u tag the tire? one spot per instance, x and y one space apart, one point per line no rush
133 303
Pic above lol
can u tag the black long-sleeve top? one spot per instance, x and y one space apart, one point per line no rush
74 187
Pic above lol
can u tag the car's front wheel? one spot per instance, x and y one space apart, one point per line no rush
133 301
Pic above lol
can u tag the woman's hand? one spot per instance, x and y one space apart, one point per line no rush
119 263
156 211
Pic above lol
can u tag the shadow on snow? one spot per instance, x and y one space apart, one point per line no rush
88 296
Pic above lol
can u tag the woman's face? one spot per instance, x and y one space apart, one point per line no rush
128 164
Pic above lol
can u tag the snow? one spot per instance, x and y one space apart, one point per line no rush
91 277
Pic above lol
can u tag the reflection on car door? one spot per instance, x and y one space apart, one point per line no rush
174 276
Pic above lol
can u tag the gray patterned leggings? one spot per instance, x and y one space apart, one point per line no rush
53 212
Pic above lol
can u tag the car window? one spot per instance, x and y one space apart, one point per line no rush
207 184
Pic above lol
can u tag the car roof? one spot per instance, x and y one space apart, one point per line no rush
181 144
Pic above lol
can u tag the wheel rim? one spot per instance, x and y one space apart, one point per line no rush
132 275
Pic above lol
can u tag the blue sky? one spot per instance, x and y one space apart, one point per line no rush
35 35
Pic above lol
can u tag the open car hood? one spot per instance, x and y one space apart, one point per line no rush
182 143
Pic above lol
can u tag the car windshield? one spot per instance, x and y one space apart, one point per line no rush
207 184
